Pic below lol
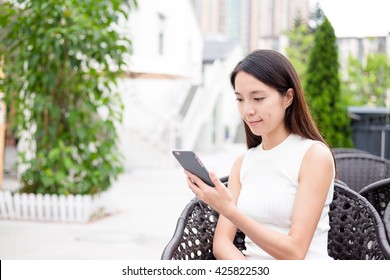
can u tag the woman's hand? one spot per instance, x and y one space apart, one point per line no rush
218 197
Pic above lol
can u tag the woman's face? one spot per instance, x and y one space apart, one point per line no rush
261 107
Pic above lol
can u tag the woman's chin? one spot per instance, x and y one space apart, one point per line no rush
256 132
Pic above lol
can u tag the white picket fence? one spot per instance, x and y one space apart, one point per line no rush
56 208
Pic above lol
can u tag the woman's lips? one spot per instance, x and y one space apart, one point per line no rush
253 123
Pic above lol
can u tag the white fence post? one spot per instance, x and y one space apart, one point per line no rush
17 206
3 210
24 203
37 202
48 206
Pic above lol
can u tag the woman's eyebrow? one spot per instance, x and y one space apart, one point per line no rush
252 92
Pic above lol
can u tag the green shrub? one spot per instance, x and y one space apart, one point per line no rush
62 60
322 87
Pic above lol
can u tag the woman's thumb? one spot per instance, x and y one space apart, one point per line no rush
214 178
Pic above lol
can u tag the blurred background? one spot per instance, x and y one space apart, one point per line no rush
176 93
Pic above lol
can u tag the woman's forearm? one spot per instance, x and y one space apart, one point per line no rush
278 245
226 251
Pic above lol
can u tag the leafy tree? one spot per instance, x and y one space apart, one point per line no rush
317 16
301 40
323 88
366 82
62 59
300 44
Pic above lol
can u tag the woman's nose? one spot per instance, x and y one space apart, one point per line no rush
248 109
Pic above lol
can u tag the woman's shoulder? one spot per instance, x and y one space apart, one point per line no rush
319 153
237 164
238 161
314 150
311 144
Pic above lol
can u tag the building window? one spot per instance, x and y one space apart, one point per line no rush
161 35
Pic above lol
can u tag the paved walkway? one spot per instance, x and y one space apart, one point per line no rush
150 200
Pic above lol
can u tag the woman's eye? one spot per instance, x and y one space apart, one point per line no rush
258 98
238 99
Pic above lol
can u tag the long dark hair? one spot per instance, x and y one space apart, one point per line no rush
274 70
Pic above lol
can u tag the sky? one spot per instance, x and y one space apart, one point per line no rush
358 18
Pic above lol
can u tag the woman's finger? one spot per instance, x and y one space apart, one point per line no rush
194 188
195 179
217 182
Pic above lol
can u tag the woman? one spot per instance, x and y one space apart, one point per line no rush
280 189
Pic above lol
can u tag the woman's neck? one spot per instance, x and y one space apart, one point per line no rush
271 140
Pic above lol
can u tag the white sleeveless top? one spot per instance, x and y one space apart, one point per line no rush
269 183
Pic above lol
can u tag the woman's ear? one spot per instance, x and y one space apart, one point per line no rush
289 97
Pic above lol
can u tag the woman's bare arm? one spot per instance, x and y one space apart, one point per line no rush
223 247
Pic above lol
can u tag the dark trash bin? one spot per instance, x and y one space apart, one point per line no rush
371 129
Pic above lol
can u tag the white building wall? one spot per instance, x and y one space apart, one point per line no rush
151 103
182 53
230 115
226 117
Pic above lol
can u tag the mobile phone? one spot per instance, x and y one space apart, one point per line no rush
191 162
